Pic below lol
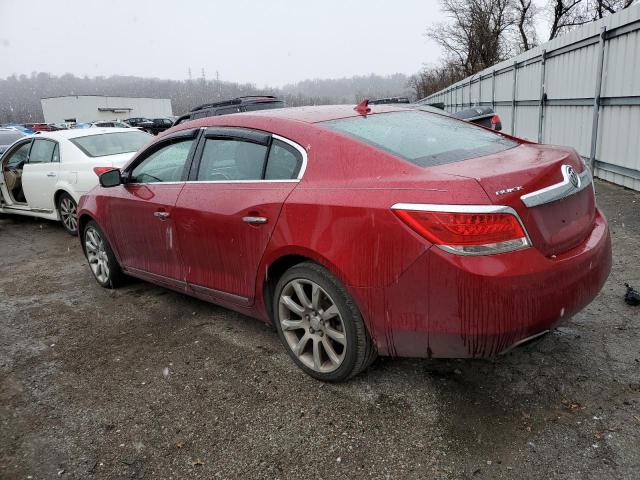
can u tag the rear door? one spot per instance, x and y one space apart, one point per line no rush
40 174
227 211
142 226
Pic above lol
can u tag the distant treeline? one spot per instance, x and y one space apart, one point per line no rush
20 94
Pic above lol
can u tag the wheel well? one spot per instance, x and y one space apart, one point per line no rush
56 196
274 272
82 222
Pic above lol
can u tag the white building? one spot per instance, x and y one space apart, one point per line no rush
88 108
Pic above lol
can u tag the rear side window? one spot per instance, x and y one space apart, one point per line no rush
111 143
422 138
284 162
42 151
224 160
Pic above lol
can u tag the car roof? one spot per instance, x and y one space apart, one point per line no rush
80 132
317 114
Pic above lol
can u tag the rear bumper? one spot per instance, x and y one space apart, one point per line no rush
481 306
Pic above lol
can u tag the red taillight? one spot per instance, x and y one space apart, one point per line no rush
484 231
100 170
496 123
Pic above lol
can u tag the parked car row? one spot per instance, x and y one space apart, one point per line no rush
153 126
44 175
356 232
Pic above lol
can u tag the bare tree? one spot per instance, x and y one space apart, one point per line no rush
565 15
525 11
432 79
602 8
474 38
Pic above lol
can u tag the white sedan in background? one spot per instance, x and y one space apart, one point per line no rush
44 175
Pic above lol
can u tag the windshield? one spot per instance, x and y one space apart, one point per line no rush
422 138
111 143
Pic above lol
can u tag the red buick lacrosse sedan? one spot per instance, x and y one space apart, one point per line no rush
357 232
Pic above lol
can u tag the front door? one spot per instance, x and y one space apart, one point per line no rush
142 229
13 163
40 174
225 215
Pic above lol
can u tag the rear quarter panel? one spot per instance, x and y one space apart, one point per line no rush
340 216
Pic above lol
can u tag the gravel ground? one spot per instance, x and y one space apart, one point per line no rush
146 383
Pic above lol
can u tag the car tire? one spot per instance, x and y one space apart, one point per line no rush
102 261
68 212
320 325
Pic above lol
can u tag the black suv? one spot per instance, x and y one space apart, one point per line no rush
136 121
156 125
237 105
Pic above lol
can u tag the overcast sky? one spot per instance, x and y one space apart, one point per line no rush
263 42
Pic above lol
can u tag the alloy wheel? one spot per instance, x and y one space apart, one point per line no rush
312 325
68 213
97 254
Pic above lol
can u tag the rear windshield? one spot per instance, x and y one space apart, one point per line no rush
111 143
422 138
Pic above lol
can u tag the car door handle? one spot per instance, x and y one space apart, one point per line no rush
161 215
51 174
254 219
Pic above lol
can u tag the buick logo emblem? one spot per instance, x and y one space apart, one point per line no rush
573 176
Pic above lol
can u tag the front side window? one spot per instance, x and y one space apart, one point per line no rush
42 151
111 143
422 138
224 160
164 165
19 157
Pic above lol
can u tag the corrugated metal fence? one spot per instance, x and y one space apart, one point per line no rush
582 90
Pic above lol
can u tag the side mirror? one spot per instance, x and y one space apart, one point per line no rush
111 178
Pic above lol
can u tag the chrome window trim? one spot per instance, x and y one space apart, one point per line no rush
153 183
488 249
560 190
242 181
298 147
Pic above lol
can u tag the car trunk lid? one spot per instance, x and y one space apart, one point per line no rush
557 213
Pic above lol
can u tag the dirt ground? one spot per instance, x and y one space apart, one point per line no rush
142 382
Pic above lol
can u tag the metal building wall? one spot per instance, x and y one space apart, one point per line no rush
89 108
582 90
